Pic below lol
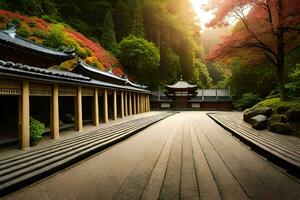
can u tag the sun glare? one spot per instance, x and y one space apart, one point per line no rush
203 16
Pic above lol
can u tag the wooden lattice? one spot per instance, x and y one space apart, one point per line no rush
66 91
40 90
10 87
88 92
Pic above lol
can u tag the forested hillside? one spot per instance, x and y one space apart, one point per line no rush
155 41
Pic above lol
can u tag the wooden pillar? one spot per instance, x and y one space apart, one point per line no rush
78 110
134 103
126 105
96 108
143 103
54 118
130 103
122 104
149 103
24 113
115 105
137 103
147 107
105 106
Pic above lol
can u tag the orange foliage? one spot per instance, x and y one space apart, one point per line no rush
99 56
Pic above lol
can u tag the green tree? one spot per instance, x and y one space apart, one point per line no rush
123 19
108 39
201 76
169 66
138 24
141 59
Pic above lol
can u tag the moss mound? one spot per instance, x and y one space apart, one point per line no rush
279 106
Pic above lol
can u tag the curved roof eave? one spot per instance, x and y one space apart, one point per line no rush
10 36
95 70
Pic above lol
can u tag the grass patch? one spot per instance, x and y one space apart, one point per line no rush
275 103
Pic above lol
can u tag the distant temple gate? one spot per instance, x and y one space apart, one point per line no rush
184 96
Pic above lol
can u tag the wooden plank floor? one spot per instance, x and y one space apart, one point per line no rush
186 156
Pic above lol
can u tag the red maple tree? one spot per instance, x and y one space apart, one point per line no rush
271 27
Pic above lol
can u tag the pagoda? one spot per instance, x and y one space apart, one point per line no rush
181 92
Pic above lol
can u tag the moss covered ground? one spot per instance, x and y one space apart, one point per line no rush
275 103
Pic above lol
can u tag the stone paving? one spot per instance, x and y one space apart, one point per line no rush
186 156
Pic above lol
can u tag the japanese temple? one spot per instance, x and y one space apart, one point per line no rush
184 96
31 87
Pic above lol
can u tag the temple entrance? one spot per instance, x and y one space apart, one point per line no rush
110 102
181 102
100 106
66 112
8 119
119 113
40 109
87 109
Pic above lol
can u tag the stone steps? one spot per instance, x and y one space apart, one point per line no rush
277 149
23 169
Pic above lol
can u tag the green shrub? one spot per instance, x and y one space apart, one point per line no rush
247 101
88 52
22 32
36 131
31 24
39 34
16 22
55 37
49 19
81 53
69 118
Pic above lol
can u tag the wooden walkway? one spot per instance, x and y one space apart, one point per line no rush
185 156
284 149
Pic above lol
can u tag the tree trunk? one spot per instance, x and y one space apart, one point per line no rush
281 82
280 55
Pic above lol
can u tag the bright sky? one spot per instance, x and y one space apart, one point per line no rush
203 16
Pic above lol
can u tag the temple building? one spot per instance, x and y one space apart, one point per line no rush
184 96
31 87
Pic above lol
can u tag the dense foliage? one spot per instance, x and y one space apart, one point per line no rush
61 36
247 101
267 30
108 39
140 58
169 24
36 131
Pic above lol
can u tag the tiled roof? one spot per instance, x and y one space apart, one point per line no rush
15 70
110 75
16 67
181 85
9 36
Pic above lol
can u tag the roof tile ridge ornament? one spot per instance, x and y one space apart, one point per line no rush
181 77
11 30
